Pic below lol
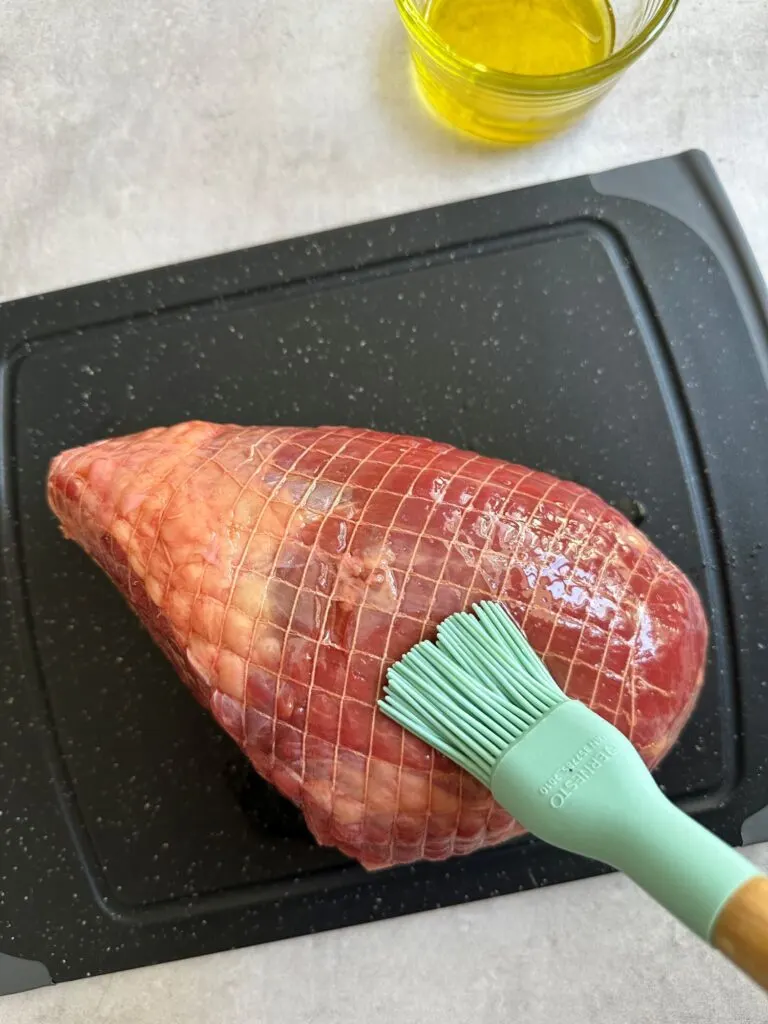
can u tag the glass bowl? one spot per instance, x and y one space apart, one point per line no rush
515 108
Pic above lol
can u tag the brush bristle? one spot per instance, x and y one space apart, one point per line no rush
474 692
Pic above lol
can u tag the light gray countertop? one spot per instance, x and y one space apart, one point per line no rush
137 134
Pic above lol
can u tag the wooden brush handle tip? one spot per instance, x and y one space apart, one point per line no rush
741 929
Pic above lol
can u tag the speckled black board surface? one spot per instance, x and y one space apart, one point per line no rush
609 329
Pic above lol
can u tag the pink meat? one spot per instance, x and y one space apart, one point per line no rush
282 571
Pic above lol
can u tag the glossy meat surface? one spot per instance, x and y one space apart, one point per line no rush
282 570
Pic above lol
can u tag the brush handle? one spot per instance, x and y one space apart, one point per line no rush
578 783
741 929
677 861
705 883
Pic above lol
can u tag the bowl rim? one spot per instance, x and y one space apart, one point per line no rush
568 81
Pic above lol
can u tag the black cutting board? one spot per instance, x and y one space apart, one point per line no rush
610 329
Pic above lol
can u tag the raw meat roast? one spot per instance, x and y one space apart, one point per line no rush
282 570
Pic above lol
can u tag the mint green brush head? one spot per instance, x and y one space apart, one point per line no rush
482 697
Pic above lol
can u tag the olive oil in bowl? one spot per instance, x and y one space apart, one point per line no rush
518 71
525 37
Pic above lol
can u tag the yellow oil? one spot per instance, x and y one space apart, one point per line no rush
525 37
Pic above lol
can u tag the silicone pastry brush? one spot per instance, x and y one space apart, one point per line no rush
482 697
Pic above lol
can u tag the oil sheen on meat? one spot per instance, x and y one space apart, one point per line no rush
283 570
